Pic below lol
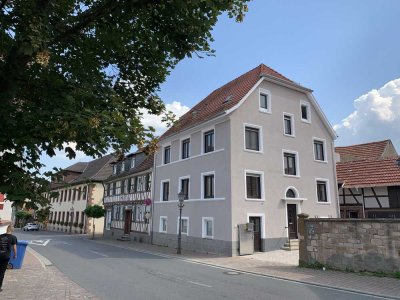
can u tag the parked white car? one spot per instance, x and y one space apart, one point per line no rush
30 226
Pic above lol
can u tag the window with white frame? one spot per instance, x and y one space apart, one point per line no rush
290 163
167 154
185 148
163 224
208 227
265 101
165 190
254 186
208 185
288 124
185 225
132 162
252 138
184 187
305 111
319 150
322 191
209 141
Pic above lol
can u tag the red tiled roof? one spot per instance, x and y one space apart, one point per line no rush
224 98
369 173
363 151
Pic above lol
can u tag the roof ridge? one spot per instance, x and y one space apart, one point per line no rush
363 144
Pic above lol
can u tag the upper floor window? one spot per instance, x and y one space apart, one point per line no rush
265 101
185 187
167 155
208 186
290 163
288 124
185 148
122 166
319 150
209 141
114 169
322 193
253 186
84 193
252 138
305 112
165 191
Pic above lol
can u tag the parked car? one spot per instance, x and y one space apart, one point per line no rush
30 226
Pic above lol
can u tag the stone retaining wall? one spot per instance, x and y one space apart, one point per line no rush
358 244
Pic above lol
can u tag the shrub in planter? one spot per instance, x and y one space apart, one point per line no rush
76 224
58 222
80 225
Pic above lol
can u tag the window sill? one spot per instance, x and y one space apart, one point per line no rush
253 151
306 121
265 111
291 176
324 203
254 199
289 135
321 161
208 237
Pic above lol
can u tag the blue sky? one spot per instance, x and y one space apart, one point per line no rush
340 49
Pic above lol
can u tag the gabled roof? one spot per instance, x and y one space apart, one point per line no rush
96 170
369 173
78 167
226 97
372 150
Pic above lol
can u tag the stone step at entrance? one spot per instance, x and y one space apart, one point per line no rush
291 245
125 237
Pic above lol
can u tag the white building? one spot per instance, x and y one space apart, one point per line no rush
257 150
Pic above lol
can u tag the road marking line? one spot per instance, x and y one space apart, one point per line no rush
98 253
201 284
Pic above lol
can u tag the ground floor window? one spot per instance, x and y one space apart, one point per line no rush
208 227
163 224
185 225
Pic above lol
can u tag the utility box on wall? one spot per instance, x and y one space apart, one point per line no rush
246 239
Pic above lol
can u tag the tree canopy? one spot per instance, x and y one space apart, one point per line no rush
76 75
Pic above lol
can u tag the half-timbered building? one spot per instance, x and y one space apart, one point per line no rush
127 198
369 180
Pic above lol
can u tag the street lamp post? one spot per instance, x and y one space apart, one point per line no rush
181 198
72 216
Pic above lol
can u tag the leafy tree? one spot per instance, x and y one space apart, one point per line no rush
23 216
94 211
42 216
77 74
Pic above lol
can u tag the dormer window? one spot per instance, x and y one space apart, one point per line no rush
114 169
132 162
122 167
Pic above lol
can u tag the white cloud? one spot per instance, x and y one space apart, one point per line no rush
155 121
376 117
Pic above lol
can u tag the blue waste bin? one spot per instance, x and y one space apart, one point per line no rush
16 263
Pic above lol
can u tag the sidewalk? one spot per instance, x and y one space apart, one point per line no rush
279 264
39 280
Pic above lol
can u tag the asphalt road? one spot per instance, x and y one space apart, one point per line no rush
111 272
